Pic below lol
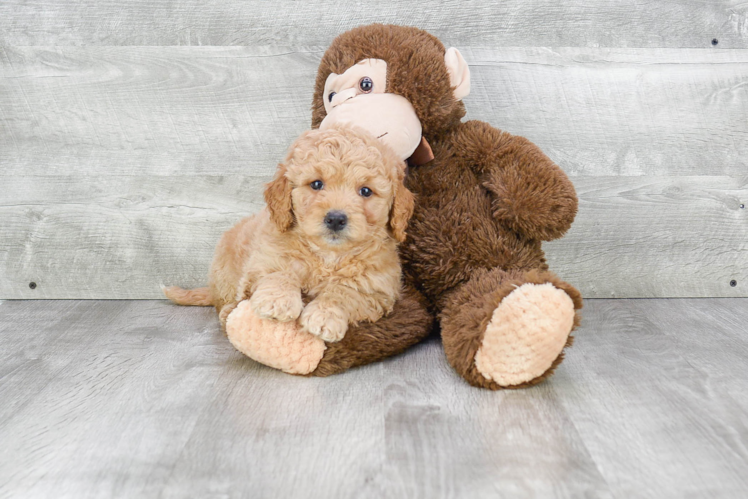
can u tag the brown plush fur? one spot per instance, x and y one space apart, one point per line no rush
286 253
406 325
483 208
484 204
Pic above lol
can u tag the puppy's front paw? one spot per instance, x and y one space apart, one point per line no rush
280 306
327 323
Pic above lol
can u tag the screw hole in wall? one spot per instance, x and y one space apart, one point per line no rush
32 285
733 283
715 41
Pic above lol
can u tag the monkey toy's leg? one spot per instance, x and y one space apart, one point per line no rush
285 347
508 329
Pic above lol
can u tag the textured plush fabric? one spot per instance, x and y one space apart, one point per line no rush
525 334
471 307
272 343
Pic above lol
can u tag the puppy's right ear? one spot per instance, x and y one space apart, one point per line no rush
278 199
402 210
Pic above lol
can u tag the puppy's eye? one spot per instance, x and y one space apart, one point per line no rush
317 185
329 97
366 84
365 192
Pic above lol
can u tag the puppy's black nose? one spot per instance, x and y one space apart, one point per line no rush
336 221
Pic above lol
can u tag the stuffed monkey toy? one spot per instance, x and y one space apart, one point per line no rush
472 260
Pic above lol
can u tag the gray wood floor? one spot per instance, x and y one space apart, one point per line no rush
142 398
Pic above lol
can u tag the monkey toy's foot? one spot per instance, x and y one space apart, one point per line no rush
281 345
513 335
287 347
525 335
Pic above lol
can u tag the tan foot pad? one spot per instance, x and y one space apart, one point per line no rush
272 343
527 332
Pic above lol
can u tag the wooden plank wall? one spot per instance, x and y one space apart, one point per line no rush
133 134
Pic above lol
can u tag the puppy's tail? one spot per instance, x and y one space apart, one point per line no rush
194 297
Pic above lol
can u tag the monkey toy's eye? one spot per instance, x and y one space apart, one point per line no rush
365 192
317 185
366 84
329 97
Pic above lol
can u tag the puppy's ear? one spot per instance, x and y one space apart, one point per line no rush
402 209
278 199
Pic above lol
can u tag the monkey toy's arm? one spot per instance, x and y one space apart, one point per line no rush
531 194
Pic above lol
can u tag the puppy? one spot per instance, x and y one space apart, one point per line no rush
336 210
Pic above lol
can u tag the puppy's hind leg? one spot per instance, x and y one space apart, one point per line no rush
224 312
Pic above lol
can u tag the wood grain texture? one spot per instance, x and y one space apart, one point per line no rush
619 111
147 399
108 237
656 237
121 237
229 110
445 439
152 110
607 23
651 380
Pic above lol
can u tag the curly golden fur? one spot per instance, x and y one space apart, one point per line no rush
287 256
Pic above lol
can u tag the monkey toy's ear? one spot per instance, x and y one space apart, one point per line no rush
459 73
278 199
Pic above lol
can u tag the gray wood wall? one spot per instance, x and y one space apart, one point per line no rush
132 134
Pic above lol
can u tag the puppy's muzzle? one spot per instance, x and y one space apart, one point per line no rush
336 221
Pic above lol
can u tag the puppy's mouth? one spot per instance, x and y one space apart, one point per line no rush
380 136
335 238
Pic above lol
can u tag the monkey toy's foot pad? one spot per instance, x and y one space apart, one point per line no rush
527 332
278 345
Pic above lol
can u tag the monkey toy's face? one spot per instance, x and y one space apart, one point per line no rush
359 97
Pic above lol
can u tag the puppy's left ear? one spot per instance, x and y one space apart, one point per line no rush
402 209
278 199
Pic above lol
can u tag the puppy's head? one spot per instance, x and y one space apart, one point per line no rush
340 186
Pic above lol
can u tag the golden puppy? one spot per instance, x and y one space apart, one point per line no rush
335 211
